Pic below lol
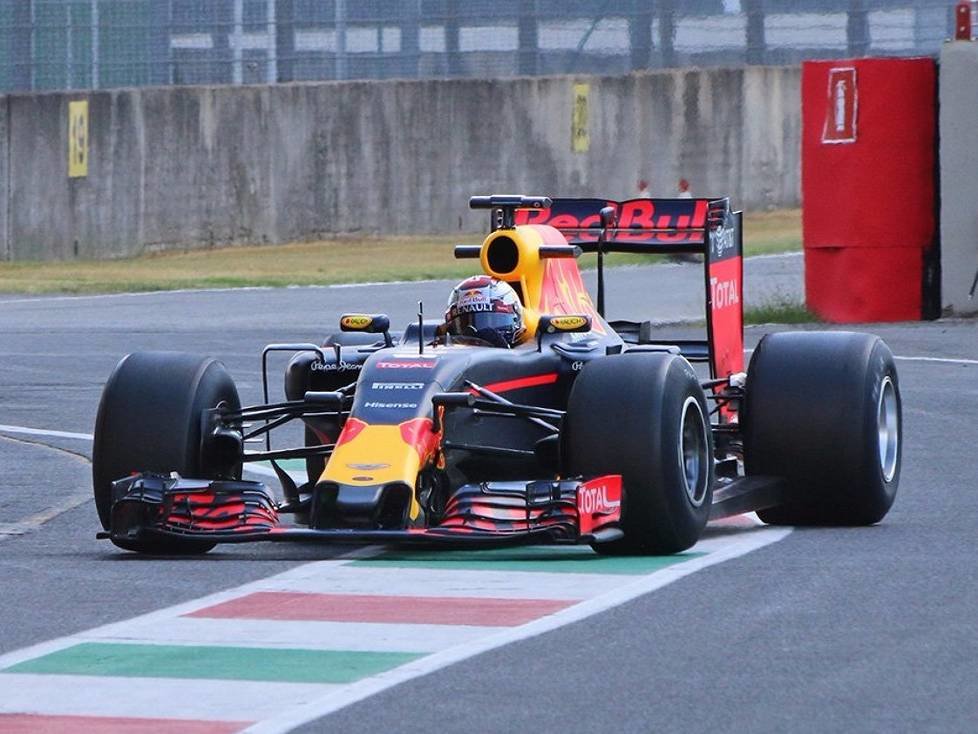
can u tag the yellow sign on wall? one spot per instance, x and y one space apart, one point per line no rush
580 135
78 139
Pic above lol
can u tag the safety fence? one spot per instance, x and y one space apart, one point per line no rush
85 44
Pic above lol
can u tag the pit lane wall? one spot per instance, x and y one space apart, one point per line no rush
959 176
198 166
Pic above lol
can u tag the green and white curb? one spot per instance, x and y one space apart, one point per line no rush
273 654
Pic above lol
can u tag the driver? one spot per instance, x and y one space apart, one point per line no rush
484 308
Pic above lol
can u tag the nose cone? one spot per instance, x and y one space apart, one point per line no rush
369 458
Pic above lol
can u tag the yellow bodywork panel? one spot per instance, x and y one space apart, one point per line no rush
550 286
376 455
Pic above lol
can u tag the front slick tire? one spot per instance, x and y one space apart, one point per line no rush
149 420
644 416
822 410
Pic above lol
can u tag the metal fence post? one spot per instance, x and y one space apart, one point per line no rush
95 44
667 32
285 40
756 45
857 29
69 48
236 41
340 25
410 39
452 50
160 69
529 42
271 52
640 35
21 53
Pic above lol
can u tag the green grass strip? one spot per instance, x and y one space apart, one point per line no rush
780 310
213 662
536 559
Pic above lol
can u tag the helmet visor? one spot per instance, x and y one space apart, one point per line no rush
495 328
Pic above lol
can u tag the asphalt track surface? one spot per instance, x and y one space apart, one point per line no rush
868 629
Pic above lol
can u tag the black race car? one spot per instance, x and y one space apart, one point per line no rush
587 431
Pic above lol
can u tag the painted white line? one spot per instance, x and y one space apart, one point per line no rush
165 698
934 360
369 686
937 360
134 294
33 522
327 286
263 471
427 582
24 430
352 636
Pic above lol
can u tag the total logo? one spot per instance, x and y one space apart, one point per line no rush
595 500
724 292
318 366
417 364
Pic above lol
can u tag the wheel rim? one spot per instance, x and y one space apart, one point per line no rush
888 429
693 454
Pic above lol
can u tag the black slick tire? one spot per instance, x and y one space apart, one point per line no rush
823 410
149 420
644 416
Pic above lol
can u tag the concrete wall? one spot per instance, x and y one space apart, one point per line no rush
4 180
959 175
196 166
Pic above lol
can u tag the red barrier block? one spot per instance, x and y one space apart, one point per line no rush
861 284
868 183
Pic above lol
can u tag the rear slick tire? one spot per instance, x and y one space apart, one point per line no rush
149 420
823 410
644 416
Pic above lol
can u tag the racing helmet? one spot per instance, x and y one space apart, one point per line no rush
487 309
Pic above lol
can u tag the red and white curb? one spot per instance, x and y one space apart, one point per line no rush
424 617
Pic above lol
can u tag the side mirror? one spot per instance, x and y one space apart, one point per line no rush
567 324
368 323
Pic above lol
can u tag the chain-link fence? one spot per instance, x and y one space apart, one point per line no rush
83 44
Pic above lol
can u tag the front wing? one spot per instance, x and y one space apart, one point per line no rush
150 506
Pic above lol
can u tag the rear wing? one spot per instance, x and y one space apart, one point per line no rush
664 226
638 225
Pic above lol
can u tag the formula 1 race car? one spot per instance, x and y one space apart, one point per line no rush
584 431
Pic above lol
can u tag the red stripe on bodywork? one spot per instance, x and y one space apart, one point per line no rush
418 433
382 609
40 724
546 379
351 429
